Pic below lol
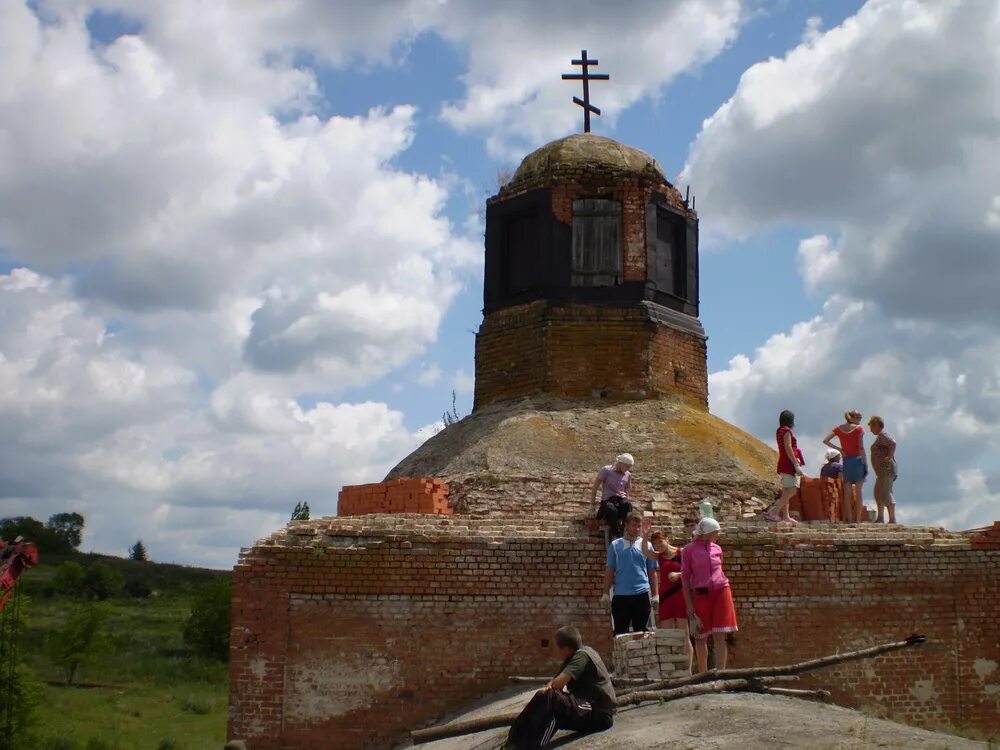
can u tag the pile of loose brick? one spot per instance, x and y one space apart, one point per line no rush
420 495
656 655
988 538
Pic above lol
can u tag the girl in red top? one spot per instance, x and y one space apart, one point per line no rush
852 447
673 610
789 460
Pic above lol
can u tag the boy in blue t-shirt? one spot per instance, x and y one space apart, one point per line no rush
629 571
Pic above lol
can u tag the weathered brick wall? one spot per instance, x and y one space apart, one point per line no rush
359 628
678 362
371 625
839 588
585 351
511 354
410 495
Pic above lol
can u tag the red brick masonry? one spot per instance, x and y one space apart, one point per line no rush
395 496
349 631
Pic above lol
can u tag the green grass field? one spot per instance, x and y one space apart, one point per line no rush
149 690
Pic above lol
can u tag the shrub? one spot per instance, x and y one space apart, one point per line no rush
207 629
137 588
19 704
68 579
60 743
102 582
198 706
167 744
38 589
80 639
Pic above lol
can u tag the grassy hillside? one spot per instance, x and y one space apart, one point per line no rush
146 688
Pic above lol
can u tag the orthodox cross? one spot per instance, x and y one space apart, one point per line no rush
586 77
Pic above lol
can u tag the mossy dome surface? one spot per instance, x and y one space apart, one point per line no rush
587 151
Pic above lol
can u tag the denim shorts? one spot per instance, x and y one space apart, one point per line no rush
854 469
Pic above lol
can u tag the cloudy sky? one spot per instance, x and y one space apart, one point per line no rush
241 243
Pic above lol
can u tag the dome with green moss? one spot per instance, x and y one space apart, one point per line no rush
582 155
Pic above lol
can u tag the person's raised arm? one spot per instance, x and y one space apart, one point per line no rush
827 441
693 622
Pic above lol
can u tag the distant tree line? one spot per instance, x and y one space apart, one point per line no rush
61 534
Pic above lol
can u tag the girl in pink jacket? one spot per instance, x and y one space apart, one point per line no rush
707 594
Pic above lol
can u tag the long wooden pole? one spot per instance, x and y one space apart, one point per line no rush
804 666
713 681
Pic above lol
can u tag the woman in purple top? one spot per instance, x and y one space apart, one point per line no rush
614 481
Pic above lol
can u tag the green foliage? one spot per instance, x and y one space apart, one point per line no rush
80 640
138 552
207 629
20 691
68 579
137 588
62 534
158 680
101 581
198 706
60 743
35 531
21 696
301 512
68 527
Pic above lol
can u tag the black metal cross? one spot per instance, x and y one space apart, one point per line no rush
586 77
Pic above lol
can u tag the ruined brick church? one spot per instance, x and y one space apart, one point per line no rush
430 588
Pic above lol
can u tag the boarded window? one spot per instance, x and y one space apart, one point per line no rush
597 245
671 253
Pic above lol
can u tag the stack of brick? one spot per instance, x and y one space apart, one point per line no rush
418 495
818 499
656 655
988 538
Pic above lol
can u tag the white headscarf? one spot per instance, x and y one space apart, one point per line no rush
706 526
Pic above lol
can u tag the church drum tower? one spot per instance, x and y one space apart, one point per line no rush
591 280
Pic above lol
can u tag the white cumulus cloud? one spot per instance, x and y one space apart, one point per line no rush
882 134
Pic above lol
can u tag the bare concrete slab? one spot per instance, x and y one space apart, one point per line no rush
734 721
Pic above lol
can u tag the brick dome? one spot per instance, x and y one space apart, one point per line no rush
593 153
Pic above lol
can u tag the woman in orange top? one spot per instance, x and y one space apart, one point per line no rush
852 447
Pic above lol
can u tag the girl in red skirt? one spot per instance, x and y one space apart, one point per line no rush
707 595
672 612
